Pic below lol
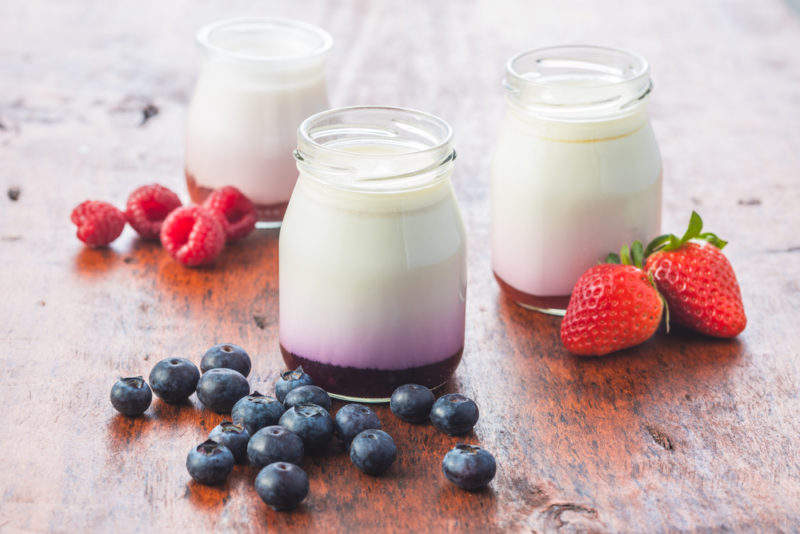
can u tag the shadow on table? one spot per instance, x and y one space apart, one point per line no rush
124 430
453 502
97 261
680 350
648 381
259 251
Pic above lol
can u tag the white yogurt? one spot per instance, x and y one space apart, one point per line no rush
369 281
259 79
574 177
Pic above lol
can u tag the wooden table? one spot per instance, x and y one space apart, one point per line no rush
682 433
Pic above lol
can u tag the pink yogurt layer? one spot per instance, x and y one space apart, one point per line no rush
400 341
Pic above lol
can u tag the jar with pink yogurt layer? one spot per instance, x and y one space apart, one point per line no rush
260 78
372 254
576 171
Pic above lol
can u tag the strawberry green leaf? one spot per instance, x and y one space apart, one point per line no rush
673 242
637 254
656 244
713 239
695 226
613 258
625 255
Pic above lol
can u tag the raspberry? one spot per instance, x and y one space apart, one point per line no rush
147 208
99 223
234 210
192 235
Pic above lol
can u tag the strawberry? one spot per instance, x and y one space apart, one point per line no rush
697 281
612 307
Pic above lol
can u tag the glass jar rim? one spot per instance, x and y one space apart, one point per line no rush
642 66
571 82
305 128
205 36
425 140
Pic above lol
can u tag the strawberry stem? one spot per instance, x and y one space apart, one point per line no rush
694 231
628 256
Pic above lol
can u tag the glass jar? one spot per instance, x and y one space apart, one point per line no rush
576 171
259 79
372 257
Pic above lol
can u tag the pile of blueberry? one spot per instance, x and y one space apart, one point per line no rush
274 433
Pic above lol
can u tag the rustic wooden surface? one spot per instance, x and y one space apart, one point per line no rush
681 434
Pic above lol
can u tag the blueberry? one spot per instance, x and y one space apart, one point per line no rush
174 379
412 402
454 413
228 356
234 436
351 419
373 451
469 467
290 380
219 389
307 395
275 444
282 485
311 422
210 463
257 411
131 396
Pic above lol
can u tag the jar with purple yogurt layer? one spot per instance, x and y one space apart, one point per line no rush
372 254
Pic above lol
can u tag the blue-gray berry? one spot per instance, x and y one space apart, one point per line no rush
275 444
255 411
307 395
373 451
412 402
454 414
131 396
469 467
228 356
311 422
219 389
282 485
174 379
210 463
290 380
352 419
234 436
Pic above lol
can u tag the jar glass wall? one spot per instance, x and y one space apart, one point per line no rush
259 79
372 254
576 171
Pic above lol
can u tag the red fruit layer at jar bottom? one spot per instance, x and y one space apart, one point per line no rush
271 214
533 301
372 383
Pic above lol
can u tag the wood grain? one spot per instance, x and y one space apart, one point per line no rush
683 433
